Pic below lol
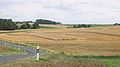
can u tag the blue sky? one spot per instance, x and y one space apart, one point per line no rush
65 11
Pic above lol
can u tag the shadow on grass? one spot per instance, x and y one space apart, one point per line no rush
42 60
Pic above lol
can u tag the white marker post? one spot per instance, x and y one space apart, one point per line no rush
37 51
5 45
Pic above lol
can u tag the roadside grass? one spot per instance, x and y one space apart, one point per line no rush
108 61
60 59
8 51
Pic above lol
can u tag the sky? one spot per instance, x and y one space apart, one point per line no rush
65 11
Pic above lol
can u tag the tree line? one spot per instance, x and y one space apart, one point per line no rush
117 24
29 26
8 24
82 26
43 21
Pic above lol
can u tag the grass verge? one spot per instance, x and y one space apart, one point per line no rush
58 60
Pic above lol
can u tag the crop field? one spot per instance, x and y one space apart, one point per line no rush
89 41
80 43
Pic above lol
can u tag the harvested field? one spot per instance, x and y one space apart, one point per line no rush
85 41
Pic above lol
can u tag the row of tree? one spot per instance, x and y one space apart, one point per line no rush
117 24
8 24
43 21
82 26
40 21
28 26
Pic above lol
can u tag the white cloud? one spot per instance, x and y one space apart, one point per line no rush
67 11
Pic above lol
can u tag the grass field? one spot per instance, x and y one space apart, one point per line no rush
101 45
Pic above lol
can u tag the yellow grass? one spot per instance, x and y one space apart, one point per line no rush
89 41
4 49
54 26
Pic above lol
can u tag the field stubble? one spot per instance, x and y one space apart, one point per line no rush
89 41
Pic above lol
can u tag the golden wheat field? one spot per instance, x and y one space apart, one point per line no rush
103 41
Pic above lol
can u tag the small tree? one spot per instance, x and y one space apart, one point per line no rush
79 26
89 25
116 24
85 25
82 25
74 26
28 26
24 26
35 25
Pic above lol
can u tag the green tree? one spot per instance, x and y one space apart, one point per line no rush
89 25
43 21
85 26
74 26
79 26
7 24
36 25
28 26
24 26
82 25
117 24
